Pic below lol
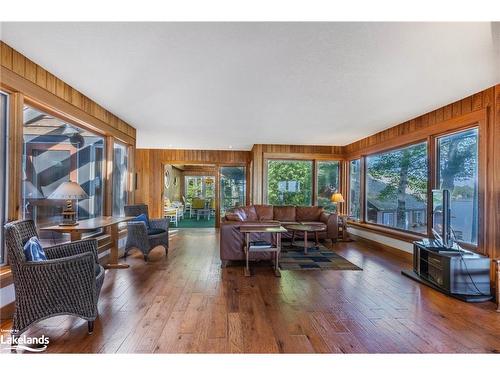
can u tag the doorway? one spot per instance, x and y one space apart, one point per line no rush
190 195
198 195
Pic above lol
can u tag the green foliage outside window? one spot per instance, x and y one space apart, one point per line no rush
328 183
289 182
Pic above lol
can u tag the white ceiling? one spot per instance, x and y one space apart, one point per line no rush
222 85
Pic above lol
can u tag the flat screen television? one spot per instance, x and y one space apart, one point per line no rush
441 216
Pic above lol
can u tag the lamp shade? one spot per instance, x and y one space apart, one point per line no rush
337 198
68 190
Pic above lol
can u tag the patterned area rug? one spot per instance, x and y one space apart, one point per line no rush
293 258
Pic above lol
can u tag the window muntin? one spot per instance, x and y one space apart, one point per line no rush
355 189
396 188
3 170
457 161
289 182
120 178
54 152
327 183
232 188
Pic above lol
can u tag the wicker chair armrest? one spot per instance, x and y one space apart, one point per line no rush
159 223
73 276
72 248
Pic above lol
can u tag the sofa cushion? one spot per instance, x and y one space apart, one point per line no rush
250 213
308 213
236 214
144 219
155 231
284 213
264 211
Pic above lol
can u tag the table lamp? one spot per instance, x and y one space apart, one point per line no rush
336 199
69 191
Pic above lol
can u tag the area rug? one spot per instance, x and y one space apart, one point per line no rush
293 258
193 223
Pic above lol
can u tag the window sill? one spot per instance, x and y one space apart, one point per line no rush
5 276
396 234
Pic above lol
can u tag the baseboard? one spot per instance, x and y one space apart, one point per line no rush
7 311
381 247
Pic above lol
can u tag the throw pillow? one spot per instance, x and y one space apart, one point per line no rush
143 218
33 250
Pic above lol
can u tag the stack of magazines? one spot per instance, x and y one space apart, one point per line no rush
260 244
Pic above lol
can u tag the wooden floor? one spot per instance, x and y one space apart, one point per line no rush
187 303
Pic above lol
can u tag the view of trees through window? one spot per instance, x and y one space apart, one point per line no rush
289 182
396 188
199 187
327 183
54 152
457 156
232 188
355 189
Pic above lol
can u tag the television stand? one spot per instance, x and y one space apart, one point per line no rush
450 271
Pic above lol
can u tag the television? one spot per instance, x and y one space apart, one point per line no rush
441 217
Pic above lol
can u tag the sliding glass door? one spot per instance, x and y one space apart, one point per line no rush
232 188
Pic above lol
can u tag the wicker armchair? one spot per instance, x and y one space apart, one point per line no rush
138 236
67 283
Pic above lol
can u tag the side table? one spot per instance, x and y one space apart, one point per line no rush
247 248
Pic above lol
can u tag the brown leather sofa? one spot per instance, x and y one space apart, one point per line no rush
231 239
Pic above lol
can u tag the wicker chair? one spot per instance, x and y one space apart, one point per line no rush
138 236
67 283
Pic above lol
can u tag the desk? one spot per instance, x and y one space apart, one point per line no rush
91 225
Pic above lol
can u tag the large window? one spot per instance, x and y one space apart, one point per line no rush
120 177
355 189
54 152
457 158
3 169
327 183
289 182
396 188
199 187
232 188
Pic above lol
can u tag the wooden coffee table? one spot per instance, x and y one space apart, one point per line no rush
306 228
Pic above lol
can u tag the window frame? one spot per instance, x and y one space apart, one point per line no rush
365 190
481 179
315 159
361 189
477 120
266 172
63 147
316 164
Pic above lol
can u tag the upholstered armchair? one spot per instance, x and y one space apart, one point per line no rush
67 283
142 237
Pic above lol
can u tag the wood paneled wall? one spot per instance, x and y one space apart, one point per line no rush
149 166
20 74
387 137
